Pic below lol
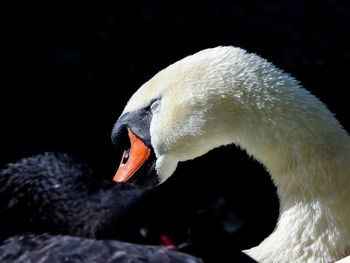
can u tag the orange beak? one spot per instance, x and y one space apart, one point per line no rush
132 159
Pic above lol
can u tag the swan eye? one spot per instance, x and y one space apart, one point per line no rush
155 105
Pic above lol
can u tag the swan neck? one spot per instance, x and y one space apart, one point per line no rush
310 167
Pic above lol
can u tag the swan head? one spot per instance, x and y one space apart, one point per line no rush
185 110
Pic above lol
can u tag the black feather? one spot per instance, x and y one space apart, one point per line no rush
66 249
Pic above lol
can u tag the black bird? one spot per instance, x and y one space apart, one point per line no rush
62 249
53 193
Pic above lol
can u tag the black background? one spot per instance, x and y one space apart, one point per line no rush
68 68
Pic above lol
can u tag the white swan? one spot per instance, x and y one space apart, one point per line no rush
225 95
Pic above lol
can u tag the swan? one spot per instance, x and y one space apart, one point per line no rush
225 95
61 196
73 215
61 249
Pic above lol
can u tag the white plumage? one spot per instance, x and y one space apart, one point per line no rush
225 95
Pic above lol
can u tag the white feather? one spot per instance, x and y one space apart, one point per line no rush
225 96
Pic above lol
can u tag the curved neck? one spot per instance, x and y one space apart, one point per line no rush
307 154
307 157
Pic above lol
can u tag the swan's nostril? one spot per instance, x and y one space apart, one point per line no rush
126 156
133 158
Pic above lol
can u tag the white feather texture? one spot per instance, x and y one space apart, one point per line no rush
225 95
